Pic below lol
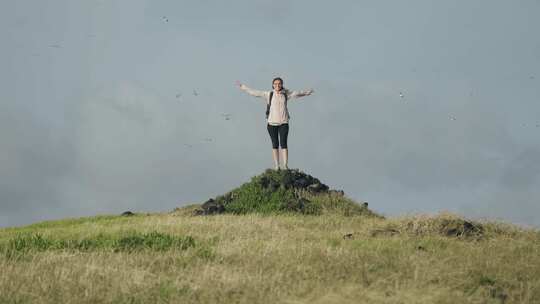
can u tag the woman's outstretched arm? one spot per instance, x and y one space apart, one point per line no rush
250 91
296 94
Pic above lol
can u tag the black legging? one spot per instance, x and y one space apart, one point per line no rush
283 131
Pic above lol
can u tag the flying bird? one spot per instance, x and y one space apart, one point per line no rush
227 116
195 93
401 94
164 18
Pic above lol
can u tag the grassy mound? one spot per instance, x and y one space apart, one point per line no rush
283 191
445 225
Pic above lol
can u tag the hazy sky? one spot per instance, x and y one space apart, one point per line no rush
108 106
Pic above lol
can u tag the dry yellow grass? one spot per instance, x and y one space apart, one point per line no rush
278 259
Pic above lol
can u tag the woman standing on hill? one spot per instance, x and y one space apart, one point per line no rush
277 115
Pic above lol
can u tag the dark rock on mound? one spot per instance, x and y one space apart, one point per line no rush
211 207
348 236
291 179
128 213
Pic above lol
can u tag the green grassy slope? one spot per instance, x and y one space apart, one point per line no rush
299 243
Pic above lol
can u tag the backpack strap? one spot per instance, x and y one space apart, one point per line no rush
269 103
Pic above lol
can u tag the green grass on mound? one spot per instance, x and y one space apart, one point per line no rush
285 191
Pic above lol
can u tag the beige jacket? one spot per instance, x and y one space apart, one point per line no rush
279 114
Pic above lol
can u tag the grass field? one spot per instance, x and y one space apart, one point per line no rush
282 258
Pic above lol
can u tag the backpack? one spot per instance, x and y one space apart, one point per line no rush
270 102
